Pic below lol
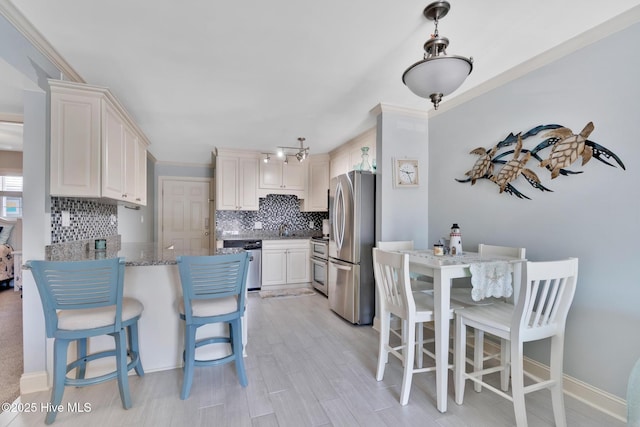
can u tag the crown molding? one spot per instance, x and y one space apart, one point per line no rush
17 19
391 108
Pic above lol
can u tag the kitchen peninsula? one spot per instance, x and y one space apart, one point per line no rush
151 276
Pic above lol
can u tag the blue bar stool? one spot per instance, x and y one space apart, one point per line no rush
84 299
213 291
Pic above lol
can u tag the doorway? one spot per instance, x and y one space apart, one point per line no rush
185 217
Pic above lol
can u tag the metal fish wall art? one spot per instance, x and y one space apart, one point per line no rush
566 148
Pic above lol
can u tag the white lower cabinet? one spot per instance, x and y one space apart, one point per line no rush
285 263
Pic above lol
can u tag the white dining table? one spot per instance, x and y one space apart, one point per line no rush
444 269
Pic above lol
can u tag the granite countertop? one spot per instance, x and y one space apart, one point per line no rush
143 254
268 235
135 254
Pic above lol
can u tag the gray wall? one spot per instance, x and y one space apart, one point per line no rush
593 216
138 225
401 213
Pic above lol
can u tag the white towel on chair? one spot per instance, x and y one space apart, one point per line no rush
491 279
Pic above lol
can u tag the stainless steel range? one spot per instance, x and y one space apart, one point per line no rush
320 263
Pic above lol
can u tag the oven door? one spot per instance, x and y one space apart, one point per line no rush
319 275
319 249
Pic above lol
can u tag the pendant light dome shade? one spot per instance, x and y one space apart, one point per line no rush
438 74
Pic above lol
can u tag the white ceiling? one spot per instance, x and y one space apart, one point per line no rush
255 74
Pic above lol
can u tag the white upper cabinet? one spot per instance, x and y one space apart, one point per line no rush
141 173
348 156
95 147
282 177
75 143
236 181
316 192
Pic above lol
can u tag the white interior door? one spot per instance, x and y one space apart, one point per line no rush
186 216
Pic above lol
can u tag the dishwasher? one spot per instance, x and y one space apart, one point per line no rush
254 247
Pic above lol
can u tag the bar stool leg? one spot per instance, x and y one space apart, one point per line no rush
121 361
189 359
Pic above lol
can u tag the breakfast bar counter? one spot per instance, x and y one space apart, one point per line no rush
151 276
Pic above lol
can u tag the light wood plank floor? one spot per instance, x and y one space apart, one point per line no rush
306 367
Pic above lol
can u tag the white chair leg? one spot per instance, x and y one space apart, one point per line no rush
557 398
478 356
419 344
383 354
404 340
517 384
408 363
459 363
505 360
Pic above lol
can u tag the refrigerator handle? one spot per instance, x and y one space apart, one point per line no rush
342 267
339 225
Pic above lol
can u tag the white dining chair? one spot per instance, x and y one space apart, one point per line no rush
391 271
419 283
546 293
463 296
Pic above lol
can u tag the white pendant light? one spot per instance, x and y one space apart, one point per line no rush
438 74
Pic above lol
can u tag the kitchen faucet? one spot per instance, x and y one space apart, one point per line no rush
283 230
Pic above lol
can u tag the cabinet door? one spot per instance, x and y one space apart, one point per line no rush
274 267
318 187
271 175
227 183
248 184
340 165
75 144
141 174
130 164
298 267
112 154
293 175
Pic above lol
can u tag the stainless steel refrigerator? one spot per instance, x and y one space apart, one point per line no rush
351 240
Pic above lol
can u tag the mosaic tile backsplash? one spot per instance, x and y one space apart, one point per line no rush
274 210
89 220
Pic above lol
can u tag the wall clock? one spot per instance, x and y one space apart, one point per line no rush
406 173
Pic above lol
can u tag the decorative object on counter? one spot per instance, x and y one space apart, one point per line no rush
566 148
405 173
438 74
364 164
82 300
100 245
438 249
280 293
445 244
325 227
455 240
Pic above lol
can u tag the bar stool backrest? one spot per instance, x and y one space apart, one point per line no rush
78 285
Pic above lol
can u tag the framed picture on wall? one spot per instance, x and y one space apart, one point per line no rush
405 173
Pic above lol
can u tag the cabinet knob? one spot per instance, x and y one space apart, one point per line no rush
124 196
138 199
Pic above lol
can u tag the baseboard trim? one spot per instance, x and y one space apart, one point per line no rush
598 399
34 381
